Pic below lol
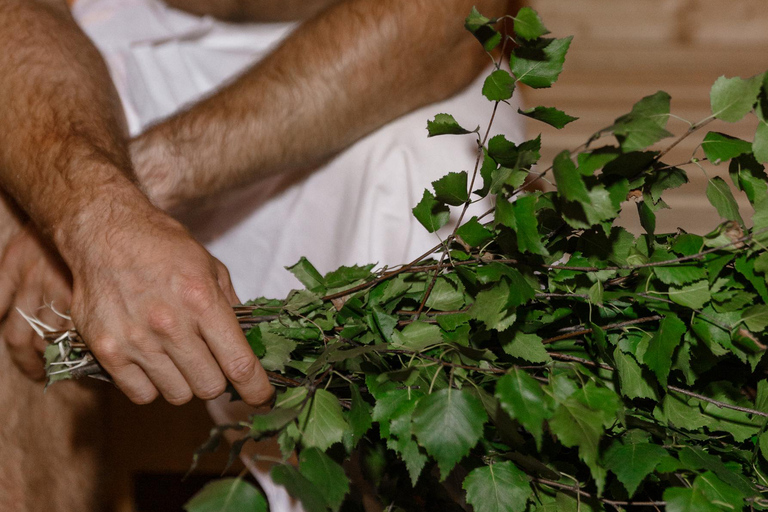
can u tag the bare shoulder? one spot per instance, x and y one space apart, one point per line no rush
254 10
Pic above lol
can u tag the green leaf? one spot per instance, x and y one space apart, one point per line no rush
327 476
732 98
227 495
520 216
696 458
272 421
359 415
452 188
719 147
644 125
658 357
322 422
500 487
487 170
595 293
522 397
413 457
474 233
491 308
254 341
632 382
756 317
746 267
447 295
448 423
761 400
527 347
536 67
631 463
570 184
499 86
647 217
299 487
504 177
718 492
680 499
603 205
417 336
431 213
763 445
549 115
683 413
481 28
680 273
503 151
738 424
445 124
345 276
307 274
720 196
277 350
760 144
693 295
576 424
597 159
663 180
528 24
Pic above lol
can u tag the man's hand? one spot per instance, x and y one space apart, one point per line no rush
155 309
32 279
151 303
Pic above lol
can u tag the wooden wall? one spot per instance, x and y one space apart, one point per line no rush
624 50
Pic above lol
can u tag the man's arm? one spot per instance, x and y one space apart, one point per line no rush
351 69
151 302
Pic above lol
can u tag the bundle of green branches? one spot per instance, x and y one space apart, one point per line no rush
540 356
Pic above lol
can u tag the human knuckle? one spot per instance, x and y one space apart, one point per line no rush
109 351
143 397
213 389
197 292
179 397
162 319
241 369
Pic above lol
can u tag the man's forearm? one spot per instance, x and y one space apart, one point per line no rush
63 149
353 68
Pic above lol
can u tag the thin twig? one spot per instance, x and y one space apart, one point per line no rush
617 325
447 364
721 405
613 503
693 128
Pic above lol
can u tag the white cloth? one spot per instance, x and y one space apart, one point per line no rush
354 210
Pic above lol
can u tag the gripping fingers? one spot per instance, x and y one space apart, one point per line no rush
167 379
128 376
199 368
222 332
